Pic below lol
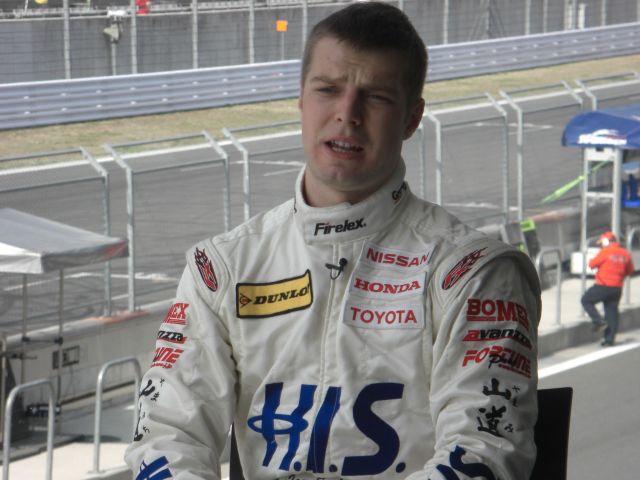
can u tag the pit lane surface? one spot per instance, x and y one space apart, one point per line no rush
605 418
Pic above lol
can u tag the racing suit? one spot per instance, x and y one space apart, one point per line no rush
383 339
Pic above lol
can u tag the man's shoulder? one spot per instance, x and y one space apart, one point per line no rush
261 224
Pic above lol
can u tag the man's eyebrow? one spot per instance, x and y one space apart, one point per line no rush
368 86
327 79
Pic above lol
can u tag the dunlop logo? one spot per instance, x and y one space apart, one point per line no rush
260 300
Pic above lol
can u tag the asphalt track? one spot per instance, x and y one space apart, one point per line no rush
174 208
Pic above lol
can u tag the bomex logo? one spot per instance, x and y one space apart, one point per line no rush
272 423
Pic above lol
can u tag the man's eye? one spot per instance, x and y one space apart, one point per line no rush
379 98
326 89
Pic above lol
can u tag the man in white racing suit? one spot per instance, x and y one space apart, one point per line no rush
355 331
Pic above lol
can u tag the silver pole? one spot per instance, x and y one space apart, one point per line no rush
583 223
66 41
134 37
527 17
131 235
545 13
6 446
520 164
25 338
617 185
194 32
603 13
4 365
401 4
445 22
252 31
305 22
59 339
114 69
98 405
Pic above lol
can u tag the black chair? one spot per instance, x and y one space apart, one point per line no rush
552 433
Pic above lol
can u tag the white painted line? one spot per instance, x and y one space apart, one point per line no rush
472 205
585 359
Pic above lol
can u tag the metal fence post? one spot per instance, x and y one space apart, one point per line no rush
251 30
631 234
98 405
194 33
558 253
66 40
438 154
134 37
50 425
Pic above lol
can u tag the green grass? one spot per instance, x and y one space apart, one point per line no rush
92 135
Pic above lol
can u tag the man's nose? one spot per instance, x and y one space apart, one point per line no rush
349 109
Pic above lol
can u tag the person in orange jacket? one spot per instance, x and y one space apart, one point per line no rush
613 263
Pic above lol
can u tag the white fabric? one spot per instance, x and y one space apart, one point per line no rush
417 360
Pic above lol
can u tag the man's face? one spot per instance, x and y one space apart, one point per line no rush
355 116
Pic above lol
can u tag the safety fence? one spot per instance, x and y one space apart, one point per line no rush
52 414
54 102
114 37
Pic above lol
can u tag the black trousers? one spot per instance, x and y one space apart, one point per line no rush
610 297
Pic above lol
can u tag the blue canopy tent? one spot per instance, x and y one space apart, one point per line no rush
607 135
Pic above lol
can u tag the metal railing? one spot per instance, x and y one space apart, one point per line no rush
98 407
630 237
588 87
50 425
539 264
496 112
124 161
63 101
247 156
509 96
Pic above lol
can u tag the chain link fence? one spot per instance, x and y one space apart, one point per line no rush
51 40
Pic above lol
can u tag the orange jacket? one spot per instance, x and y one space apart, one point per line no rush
613 263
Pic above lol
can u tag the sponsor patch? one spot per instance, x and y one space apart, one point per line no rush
409 315
493 334
503 357
488 310
172 337
259 300
166 357
461 268
385 288
382 257
177 314
322 228
206 270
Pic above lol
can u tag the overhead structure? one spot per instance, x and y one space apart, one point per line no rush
607 136
32 245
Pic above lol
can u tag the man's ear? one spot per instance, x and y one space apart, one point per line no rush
414 118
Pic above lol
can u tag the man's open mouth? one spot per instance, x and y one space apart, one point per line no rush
343 147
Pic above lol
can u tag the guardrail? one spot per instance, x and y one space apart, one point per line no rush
51 414
65 101
98 408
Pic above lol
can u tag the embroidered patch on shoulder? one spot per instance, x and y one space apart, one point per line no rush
206 270
461 268
259 300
